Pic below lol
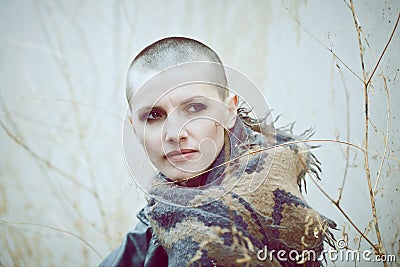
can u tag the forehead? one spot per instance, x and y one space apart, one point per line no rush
180 82
169 99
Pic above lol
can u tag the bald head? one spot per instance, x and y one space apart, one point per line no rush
169 52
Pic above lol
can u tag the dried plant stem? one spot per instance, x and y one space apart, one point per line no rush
74 102
384 50
21 143
366 231
63 66
258 151
347 149
385 136
366 131
366 80
323 45
55 229
345 215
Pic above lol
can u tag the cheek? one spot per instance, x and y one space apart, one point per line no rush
151 142
208 129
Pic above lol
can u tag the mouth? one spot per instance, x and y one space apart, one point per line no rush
181 155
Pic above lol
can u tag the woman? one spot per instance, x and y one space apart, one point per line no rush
225 189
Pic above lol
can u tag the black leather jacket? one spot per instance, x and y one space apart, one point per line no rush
139 248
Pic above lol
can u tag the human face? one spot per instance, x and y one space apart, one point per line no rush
181 129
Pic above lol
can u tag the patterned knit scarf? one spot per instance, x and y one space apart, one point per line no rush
249 208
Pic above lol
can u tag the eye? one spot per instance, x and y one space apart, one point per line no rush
152 116
195 108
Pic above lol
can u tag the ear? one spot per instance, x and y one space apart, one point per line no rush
231 101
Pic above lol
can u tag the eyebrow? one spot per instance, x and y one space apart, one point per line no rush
190 99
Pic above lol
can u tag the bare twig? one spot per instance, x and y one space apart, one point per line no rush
55 229
384 49
377 251
63 66
21 143
385 136
322 44
74 102
255 152
366 157
347 149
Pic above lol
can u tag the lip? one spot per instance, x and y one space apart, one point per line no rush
181 155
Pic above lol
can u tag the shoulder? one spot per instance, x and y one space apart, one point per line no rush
140 247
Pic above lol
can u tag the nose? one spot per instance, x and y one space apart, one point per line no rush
174 131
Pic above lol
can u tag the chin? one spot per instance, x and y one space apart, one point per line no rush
177 175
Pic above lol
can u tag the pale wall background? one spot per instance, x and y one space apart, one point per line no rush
66 196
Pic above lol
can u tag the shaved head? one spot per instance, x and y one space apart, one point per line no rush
169 52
